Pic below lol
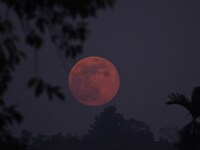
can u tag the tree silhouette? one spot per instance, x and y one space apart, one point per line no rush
8 142
190 134
30 22
64 21
169 133
111 131
55 142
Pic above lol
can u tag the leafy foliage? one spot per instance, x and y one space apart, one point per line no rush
8 115
180 99
190 137
66 24
190 134
112 131
8 142
192 106
65 21
39 86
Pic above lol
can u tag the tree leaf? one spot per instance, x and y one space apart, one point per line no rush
34 40
39 88
60 95
49 91
31 82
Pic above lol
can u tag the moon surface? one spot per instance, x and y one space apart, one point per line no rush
94 81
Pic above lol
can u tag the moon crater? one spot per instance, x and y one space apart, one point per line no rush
94 81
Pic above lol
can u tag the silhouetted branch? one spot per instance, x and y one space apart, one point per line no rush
180 99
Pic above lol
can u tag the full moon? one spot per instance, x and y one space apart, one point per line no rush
94 81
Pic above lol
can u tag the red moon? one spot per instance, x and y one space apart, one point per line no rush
94 81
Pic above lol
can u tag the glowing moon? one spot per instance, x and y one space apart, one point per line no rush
94 81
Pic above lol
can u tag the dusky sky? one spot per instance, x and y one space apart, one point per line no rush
155 46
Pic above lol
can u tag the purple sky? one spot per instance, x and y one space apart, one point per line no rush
155 46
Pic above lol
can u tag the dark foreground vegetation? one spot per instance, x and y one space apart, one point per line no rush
110 131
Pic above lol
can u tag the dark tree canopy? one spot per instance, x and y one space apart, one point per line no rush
64 22
190 134
112 131
192 106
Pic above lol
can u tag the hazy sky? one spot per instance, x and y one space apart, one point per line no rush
155 46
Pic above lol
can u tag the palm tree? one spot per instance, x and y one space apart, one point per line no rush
190 134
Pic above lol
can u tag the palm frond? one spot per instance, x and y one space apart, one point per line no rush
180 99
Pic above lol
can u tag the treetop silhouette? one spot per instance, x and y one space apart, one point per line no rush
190 134
112 131
65 22
192 106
